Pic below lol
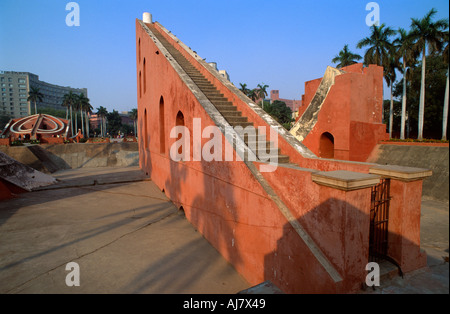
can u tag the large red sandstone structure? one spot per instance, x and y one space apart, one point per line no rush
308 224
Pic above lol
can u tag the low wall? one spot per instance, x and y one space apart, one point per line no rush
431 156
50 158
337 220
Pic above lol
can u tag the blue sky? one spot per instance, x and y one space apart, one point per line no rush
280 43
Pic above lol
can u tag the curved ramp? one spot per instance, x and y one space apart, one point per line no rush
309 118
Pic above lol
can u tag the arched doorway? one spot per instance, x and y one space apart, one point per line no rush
145 76
162 130
145 135
179 122
326 147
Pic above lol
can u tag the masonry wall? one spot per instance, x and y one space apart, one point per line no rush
51 158
424 155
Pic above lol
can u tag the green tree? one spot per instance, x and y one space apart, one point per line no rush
396 110
82 103
436 84
244 89
53 112
261 91
133 116
126 129
345 58
86 108
34 95
114 122
379 45
380 48
390 75
445 112
426 33
280 112
403 45
68 102
4 119
102 112
253 94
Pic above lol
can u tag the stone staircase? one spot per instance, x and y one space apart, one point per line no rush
256 142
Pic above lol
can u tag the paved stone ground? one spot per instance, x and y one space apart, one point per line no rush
129 238
434 234
126 238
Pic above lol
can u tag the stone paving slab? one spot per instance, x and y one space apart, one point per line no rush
434 234
126 238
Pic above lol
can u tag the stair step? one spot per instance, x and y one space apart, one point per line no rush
231 113
236 119
249 137
198 76
207 86
209 90
204 85
224 103
225 107
215 97
212 94
281 159
191 73
268 151
242 124
259 144
200 79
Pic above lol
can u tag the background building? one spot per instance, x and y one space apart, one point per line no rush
291 103
14 93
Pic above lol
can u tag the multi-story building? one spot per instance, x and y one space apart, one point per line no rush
14 93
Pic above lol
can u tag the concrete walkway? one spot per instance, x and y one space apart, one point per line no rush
126 238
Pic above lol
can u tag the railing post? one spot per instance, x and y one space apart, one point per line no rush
404 214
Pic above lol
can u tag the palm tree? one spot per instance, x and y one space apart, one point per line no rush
69 101
87 111
83 105
34 95
244 89
102 112
253 94
76 107
379 47
133 116
345 58
390 75
445 113
425 32
262 92
403 45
